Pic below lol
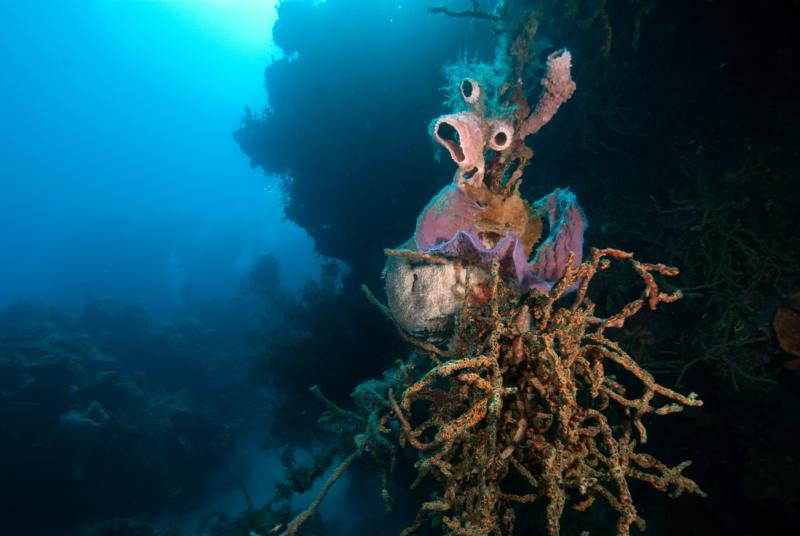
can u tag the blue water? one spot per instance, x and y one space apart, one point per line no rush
120 177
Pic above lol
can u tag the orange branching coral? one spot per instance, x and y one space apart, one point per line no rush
524 408
530 396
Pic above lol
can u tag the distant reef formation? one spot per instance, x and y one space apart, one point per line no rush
86 436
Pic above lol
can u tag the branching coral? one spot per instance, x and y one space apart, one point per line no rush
531 404
531 397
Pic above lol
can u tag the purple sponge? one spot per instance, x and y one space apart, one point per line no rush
447 227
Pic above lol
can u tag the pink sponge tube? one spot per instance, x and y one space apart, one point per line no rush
557 88
463 137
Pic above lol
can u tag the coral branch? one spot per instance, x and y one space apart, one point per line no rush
308 513
529 391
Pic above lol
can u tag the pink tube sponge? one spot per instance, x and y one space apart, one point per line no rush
463 137
557 88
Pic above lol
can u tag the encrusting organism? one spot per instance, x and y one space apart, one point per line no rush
514 393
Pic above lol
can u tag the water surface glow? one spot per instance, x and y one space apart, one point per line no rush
119 174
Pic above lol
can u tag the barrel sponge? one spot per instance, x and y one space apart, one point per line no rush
425 298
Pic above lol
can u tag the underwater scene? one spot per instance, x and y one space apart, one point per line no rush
399 267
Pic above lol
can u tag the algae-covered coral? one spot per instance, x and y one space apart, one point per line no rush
517 396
